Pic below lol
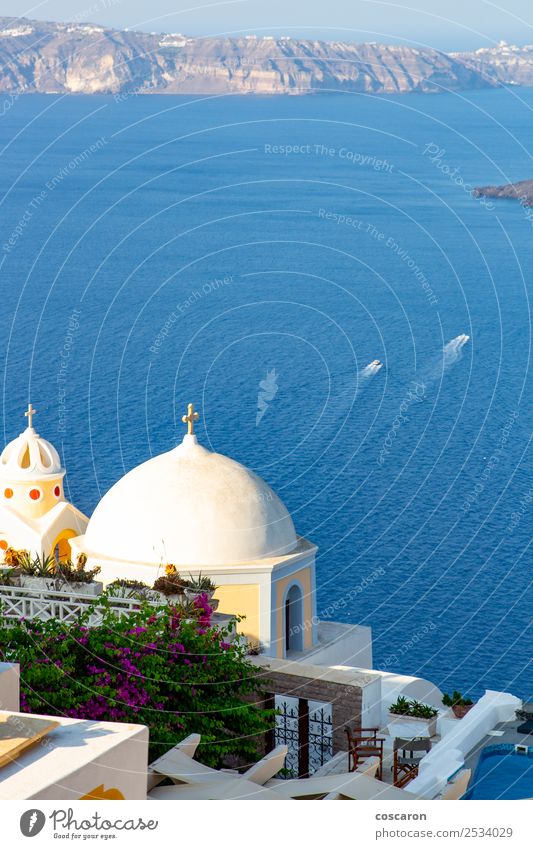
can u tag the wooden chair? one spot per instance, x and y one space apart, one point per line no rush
364 743
406 762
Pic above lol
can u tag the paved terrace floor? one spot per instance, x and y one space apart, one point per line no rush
504 732
339 762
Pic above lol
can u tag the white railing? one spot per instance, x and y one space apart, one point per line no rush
27 603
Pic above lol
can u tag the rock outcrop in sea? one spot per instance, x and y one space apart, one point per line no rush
522 191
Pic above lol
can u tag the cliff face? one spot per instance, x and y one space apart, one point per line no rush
505 63
37 56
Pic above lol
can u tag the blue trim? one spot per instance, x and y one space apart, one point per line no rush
294 583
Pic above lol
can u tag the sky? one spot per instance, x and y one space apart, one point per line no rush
443 24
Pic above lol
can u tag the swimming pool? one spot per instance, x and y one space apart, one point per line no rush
502 773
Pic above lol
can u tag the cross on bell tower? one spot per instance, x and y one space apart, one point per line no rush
190 419
30 412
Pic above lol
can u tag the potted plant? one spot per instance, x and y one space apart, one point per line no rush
36 572
9 577
200 585
129 588
458 703
410 711
401 706
171 585
43 572
76 578
12 568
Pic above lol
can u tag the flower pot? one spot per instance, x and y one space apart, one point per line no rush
174 598
9 577
192 594
420 727
32 582
93 589
57 585
461 710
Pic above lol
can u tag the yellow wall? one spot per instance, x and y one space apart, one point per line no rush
303 576
242 599
18 495
64 546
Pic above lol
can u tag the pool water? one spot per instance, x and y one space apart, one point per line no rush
503 774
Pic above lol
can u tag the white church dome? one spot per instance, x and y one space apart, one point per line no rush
190 507
29 456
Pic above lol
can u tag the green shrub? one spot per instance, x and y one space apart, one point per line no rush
456 700
165 668
406 707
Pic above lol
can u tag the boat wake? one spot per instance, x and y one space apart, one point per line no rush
365 375
451 354
453 351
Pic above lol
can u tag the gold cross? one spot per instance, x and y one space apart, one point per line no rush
190 419
30 414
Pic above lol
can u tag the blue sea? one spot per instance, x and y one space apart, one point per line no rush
240 250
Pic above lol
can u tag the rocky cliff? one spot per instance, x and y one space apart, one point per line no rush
37 56
505 64
522 191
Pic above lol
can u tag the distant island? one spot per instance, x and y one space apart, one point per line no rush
83 58
522 191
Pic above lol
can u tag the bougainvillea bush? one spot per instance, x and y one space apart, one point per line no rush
166 668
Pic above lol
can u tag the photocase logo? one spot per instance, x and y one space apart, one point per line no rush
32 822
268 391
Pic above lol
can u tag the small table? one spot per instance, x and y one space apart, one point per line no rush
525 712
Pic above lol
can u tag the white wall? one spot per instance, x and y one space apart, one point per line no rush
9 687
371 705
393 685
77 758
348 646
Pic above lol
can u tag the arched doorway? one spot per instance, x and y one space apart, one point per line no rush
294 619
61 549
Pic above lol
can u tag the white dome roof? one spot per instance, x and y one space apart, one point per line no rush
29 456
190 507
